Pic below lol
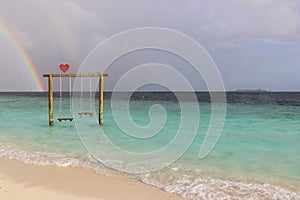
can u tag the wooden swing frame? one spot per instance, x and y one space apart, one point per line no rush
50 94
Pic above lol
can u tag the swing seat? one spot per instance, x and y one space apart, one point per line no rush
86 113
65 119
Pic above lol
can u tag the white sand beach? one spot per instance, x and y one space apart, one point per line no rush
25 181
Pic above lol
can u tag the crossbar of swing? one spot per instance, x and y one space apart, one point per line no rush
76 75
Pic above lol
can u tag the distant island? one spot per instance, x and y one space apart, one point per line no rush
252 90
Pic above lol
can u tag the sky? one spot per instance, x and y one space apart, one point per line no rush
254 43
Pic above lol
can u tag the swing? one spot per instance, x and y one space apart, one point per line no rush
81 113
60 101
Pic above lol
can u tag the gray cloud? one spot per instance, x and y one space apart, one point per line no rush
255 43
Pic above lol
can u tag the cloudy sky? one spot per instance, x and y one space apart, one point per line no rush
255 43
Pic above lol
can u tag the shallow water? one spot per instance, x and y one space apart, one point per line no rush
256 157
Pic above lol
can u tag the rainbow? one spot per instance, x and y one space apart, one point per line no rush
5 28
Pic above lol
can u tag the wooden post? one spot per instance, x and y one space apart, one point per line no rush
101 83
50 96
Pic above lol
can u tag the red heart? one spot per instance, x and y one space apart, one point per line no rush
64 67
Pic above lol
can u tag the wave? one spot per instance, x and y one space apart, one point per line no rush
87 161
37 158
209 188
187 186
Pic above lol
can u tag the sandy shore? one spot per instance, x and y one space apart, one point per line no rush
25 181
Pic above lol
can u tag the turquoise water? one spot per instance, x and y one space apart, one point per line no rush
256 157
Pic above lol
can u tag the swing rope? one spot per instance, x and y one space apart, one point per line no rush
91 95
60 100
81 95
60 97
82 100
70 88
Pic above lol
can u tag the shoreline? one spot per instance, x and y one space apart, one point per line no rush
19 180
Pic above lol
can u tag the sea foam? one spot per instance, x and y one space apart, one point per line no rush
211 189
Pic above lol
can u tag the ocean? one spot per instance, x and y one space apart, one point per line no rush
257 156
